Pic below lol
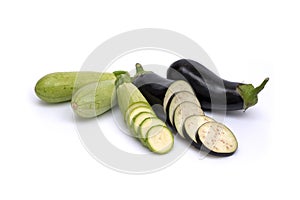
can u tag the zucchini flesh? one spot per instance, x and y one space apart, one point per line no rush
136 112
175 87
217 138
138 119
178 98
192 124
182 112
160 139
146 125
132 107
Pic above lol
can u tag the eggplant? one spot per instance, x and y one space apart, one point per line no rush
213 92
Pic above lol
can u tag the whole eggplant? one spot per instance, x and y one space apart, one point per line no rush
213 92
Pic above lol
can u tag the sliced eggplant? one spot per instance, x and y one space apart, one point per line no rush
160 139
175 87
138 119
137 111
192 124
177 99
146 125
183 111
217 139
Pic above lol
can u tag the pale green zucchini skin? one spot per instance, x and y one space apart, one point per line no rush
94 99
59 86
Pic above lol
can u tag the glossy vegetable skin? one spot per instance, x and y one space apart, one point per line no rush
213 92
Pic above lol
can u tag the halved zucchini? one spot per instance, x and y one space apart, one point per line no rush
183 111
178 98
192 124
217 138
137 111
138 119
175 87
146 125
160 139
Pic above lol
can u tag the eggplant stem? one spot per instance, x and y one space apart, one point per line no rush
261 86
139 68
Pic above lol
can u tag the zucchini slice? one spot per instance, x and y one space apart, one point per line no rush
137 111
192 124
217 138
178 98
160 139
133 106
175 87
138 119
182 112
146 125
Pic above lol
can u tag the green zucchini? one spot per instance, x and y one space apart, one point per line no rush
146 125
94 99
160 139
157 140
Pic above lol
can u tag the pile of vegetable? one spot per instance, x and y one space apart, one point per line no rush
188 89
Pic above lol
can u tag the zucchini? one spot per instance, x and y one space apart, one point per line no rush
94 99
58 87
160 139
182 112
192 124
138 119
146 125
217 139
177 99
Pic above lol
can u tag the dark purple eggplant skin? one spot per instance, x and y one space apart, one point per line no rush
213 92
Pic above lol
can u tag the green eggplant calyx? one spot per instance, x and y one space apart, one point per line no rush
249 93
122 78
140 70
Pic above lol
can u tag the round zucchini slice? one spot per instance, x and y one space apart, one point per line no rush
137 111
175 87
160 139
138 119
182 112
217 138
192 124
178 98
133 106
146 125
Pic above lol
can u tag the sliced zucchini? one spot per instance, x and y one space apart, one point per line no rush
175 87
217 138
178 98
138 119
146 125
133 106
192 124
137 111
160 139
182 112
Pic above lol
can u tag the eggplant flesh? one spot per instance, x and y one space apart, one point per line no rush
213 92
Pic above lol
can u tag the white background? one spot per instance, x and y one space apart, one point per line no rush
41 156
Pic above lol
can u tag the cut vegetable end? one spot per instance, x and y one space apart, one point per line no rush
160 139
146 125
177 99
192 124
217 138
175 87
182 112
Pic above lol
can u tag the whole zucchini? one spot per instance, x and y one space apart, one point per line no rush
59 86
212 91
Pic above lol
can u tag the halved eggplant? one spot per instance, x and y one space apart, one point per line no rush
146 125
160 139
182 112
175 87
192 124
138 119
216 139
177 99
